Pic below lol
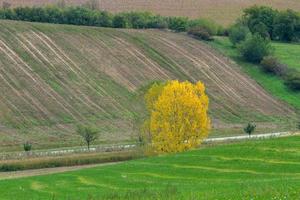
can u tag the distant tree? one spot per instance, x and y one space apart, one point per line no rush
238 33
255 48
298 125
250 128
89 134
287 26
27 146
260 19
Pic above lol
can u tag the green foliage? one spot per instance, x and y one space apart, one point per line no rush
254 48
250 128
267 22
120 21
89 16
238 33
292 80
260 20
205 24
271 65
178 24
287 26
89 134
200 33
27 146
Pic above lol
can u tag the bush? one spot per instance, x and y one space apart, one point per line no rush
27 146
238 33
178 24
209 26
254 48
292 80
271 65
200 33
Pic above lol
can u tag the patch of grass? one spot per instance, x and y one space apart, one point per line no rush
288 53
272 84
245 170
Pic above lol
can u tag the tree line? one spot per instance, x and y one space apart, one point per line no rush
81 15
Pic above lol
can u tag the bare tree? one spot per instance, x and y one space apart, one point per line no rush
89 134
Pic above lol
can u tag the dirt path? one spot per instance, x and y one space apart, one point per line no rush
45 171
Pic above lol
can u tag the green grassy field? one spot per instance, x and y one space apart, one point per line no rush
262 169
287 53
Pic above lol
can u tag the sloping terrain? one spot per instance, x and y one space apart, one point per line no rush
54 76
222 11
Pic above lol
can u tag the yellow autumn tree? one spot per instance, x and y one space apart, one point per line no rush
178 118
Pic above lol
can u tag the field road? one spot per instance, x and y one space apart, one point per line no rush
37 172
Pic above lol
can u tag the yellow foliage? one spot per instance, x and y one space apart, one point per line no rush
178 116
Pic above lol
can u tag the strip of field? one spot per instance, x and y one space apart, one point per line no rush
261 169
222 11
54 76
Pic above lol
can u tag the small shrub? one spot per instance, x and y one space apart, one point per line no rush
254 48
208 25
200 33
238 33
292 80
178 24
27 146
250 128
271 65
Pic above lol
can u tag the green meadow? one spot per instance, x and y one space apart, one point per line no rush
260 169
287 53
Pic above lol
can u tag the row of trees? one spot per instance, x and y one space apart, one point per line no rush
83 15
273 24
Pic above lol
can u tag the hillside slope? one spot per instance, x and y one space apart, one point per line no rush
222 11
54 76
